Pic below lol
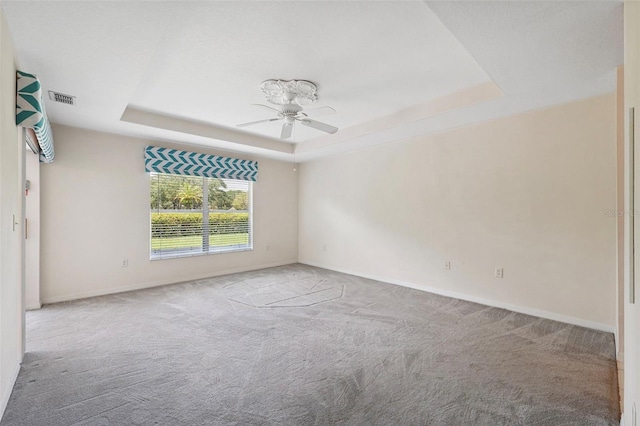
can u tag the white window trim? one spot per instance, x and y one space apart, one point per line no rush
155 256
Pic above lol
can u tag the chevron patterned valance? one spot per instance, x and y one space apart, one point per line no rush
30 113
173 161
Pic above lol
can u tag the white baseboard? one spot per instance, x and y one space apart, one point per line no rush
150 284
494 303
33 307
9 388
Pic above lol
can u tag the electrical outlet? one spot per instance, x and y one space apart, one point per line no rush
499 273
125 263
447 265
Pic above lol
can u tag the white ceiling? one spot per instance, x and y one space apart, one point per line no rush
188 71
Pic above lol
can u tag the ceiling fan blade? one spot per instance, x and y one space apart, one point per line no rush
286 130
267 107
318 125
251 123
323 110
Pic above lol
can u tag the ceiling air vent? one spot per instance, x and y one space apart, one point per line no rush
62 98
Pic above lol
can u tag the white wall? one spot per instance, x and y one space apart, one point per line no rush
620 206
11 157
32 243
632 310
527 193
95 212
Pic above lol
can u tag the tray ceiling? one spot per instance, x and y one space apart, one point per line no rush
188 71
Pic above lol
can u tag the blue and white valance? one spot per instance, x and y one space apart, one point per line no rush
173 161
30 113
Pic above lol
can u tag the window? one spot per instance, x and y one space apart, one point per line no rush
199 215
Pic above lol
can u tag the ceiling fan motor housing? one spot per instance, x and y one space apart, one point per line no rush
290 110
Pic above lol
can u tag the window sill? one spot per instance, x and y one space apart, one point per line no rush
179 254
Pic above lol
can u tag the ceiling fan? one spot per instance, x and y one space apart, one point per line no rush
291 97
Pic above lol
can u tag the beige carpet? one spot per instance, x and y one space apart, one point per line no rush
298 345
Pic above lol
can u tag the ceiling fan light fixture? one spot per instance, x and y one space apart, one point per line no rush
284 92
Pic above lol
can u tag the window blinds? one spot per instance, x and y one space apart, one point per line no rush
199 215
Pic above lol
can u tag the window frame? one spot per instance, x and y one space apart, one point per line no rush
177 253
